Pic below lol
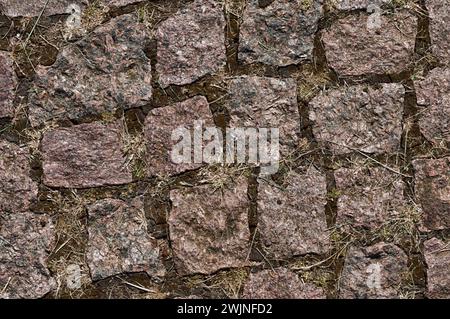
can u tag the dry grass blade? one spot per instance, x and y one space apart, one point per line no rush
35 24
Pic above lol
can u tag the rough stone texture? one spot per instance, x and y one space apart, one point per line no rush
437 258
119 241
263 102
292 220
86 155
368 197
353 49
209 229
432 190
439 13
8 84
280 283
191 43
357 4
434 93
183 232
21 8
106 71
17 189
280 34
120 3
373 272
26 240
159 126
358 117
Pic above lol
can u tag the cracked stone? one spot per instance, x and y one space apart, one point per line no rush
191 44
26 240
369 197
437 258
8 83
18 8
433 93
279 34
102 73
354 48
159 125
17 190
367 119
292 218
280 283
262 102
439 13
357 4
119 241
432 190
373 272
209 229
85 155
